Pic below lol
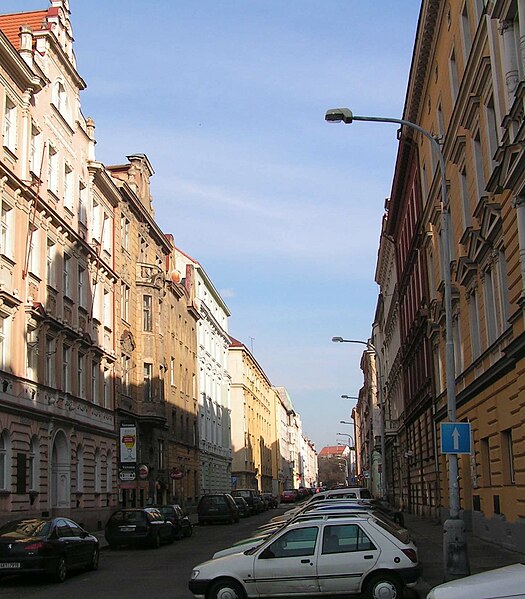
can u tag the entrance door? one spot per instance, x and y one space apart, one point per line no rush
60 473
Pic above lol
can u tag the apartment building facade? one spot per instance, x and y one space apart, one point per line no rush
57 428
466 87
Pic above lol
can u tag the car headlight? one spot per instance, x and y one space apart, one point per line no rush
195 574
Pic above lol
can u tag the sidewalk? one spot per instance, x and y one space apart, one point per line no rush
428 535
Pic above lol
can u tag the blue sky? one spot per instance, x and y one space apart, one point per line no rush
227 98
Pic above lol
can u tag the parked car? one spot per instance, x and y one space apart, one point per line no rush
502 583
271 500
138 526
218 507
182 526
244 508
253 499
52 546
318 557
290 496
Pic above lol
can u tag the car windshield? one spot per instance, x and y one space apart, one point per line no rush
127 517
33 527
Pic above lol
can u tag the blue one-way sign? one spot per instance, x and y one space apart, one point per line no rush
455 437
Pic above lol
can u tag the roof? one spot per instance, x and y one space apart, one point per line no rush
10 24
332 450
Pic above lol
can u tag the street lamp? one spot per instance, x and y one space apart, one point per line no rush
454 537
350 465
349 397
372 349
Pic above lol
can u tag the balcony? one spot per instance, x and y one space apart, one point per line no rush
149 274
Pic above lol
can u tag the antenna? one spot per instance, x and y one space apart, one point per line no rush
252 339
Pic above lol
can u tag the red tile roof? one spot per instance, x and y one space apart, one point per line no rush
10 24
332 450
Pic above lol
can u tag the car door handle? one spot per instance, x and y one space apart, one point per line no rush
368 557
306 561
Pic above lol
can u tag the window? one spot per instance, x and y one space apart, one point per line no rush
107 306
82 295
32 353
294 543
98 471
34 251
441 122
81 375
35 156
486 470
107 387
5 462
9 131
345 538
4 340
147 319
34 464
69 194
148 373
509 473
124 301
50 362
475 340
94 383
51 263
66 368
458 345
124 232
465 200
82 203
60 100
478 165
454 78
172 372
492 128
52 170
96 221
465 31
66 280
6 231
80 469
125 362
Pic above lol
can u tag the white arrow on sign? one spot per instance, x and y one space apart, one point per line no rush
455 435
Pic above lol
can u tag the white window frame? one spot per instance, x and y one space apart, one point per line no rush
81 376
7 230
66 368
69 189
52 169
10 128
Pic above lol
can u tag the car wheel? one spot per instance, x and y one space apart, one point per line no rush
383 586
93 564
189 531
155 542
180 533
60 570
226 589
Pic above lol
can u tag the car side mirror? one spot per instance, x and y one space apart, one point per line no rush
267 554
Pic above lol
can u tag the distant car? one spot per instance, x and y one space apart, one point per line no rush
271 500
51 546
253 499
217 507
290 496
182 526
502 583
244 509
138 526
308 559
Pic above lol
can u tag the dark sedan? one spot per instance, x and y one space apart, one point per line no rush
181 523
50 546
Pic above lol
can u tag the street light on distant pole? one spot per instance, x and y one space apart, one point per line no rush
372 349
351 448
454 537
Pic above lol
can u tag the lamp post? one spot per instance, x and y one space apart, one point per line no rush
454 538
351 469
371 348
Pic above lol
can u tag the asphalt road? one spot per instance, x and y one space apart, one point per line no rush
143 573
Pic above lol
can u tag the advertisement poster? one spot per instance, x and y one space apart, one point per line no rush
128 444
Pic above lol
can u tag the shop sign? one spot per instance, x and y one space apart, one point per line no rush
176 474
143 471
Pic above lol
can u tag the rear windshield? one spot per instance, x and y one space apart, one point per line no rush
242 494
19 529
127 517
401 534
213 500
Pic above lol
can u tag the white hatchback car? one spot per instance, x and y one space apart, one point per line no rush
501 583
325 556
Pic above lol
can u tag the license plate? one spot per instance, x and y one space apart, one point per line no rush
9 565
126 528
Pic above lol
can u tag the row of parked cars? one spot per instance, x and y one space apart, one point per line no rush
325 545
230 507
54 546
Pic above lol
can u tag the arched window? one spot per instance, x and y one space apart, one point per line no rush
34 464
98 471
5 461
80 469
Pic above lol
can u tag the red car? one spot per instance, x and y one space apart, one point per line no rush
289 496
